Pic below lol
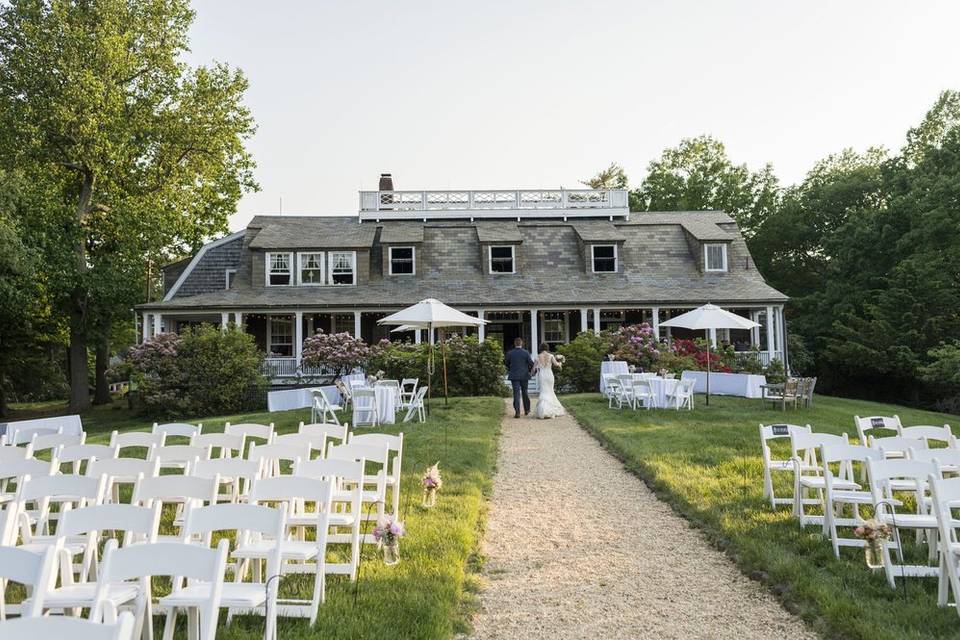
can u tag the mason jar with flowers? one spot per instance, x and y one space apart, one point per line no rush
431 482
387 533
874 535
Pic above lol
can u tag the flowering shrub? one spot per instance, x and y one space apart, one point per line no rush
581 369
637 345
339 352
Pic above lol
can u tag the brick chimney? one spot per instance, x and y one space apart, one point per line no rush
386 182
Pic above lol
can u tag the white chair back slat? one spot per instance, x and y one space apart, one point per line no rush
30 569
178 429
225 445
867 424
249 430
931 433
46 442
67 627
336 431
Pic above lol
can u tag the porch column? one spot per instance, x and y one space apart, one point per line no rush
655 314
298 335
754 332
157 323
238 320
481 329
583 320
145 329
417 336
769 323
356 324
713 338
224 320
533 330
596 320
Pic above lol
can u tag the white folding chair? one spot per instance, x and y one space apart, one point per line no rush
299 554
237 474
251 523
224 444
948 460
807 476
682 395
137 525
179 456
945 497
408 389
642 393
869 424
336 431
133 567
323 409
13 471
29 569
395 444
121 471
626 391
931 434
78 454
887 478
136 440
185 492
178 430
415 408
837 491
251 430
273 455
770 464
895 446
347 478
50 441
9 452
24 435
315 442
377 454
73 628
365 409
64 491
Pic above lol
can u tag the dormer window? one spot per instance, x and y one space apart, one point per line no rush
343 267
502 259
402 261
715 256
311 268
279 269
604 258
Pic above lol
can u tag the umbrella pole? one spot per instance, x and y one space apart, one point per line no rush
443 352
708 367
430 363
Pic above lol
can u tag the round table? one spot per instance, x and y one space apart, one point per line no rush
662 387
387 401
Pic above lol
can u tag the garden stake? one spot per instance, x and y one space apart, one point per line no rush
356 591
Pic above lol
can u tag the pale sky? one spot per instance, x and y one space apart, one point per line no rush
529 94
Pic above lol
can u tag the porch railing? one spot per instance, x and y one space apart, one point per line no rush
287 368
764 357
520 199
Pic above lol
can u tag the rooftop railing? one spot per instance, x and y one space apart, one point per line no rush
494 200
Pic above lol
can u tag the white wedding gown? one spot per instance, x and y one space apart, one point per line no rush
548 406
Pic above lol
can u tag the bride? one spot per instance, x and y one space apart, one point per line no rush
548 406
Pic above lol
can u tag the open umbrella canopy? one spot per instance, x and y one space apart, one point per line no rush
709 316
431 313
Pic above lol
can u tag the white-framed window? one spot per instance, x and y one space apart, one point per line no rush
715 256
229 274
604 258
402 261
311 268
555 327
342 323
502 259
279 269
280 336
343 267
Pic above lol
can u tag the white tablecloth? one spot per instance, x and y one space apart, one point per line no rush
617 367
299 398
71 425
387 401
728 384
661 387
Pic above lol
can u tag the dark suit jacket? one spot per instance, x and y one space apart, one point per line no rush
518 362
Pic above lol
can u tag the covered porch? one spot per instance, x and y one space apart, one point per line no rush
280 333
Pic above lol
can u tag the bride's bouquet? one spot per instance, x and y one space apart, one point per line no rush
560 358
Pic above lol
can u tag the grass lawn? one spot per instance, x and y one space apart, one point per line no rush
431 593
707 464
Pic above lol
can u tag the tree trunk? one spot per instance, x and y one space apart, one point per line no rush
3 401
102 394
79 382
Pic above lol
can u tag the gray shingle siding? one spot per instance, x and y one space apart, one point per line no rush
210 273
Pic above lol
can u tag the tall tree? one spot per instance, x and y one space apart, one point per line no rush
613 177
147 153
697 175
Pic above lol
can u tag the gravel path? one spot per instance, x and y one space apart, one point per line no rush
579 548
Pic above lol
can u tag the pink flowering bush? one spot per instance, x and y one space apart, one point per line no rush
339 352
156 375
636 344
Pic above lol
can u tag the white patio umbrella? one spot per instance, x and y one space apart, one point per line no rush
432 314
708 317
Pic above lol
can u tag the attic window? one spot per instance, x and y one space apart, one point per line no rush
502 259
229 275
604 258
279 269
715 256
343 267
401 261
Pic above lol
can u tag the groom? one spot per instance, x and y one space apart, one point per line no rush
519 363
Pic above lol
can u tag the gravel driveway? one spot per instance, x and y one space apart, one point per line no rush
579 548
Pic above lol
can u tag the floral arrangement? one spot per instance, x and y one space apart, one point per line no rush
873 530
388 531
431 479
